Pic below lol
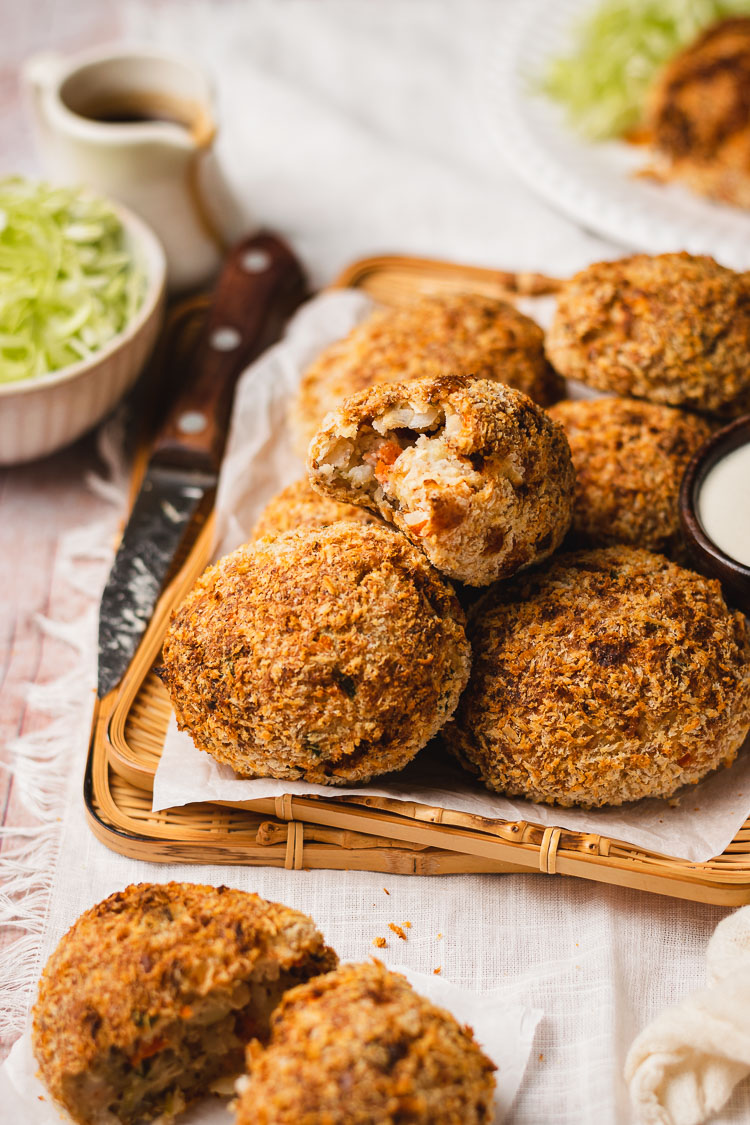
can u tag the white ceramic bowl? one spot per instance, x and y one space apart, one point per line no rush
42 414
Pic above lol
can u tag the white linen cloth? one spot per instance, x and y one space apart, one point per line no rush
684 1065
352 127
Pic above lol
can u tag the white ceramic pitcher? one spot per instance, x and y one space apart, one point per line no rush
137 125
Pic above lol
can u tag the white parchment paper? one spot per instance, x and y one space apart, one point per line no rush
504 1032
695 826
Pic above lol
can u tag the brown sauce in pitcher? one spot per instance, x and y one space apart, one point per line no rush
145 108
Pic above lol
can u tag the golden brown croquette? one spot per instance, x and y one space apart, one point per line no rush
629 458
674 329
432 335
152 995
697 113
473 472
607 676
298 506
359 1046
330 654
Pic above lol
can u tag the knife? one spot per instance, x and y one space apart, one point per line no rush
260 286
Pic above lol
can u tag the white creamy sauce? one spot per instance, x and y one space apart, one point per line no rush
724 504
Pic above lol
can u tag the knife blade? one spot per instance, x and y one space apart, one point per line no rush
260 286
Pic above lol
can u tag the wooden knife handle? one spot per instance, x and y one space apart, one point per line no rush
260 286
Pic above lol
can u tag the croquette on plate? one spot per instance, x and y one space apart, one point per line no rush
152 995
331 655
674 329
298 506
432 335
473 472
607 676
360 1046
629 458
697 113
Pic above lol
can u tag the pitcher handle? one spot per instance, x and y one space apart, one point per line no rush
39 75
39 72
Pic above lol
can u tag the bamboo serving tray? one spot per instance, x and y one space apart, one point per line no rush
356 832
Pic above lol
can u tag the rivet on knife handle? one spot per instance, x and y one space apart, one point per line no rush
260 286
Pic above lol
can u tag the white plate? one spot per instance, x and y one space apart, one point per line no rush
593 183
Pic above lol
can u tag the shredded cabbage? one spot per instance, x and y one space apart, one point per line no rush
618 48
68 282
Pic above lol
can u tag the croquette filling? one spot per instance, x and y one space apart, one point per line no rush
174 1063
401 458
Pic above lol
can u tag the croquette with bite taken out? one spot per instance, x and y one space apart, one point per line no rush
152 995
360 1046
473 472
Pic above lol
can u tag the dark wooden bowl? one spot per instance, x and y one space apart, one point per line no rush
734 576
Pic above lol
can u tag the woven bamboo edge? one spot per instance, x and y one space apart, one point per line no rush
494 845
120 772
120 816
393 278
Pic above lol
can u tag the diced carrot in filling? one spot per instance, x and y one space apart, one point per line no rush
148 1050
382 457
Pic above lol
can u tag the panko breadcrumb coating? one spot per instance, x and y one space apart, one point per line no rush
331 654
698 113
433 335
299 505
152 995
608 676
629 458
473 472
674 329
360 1047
